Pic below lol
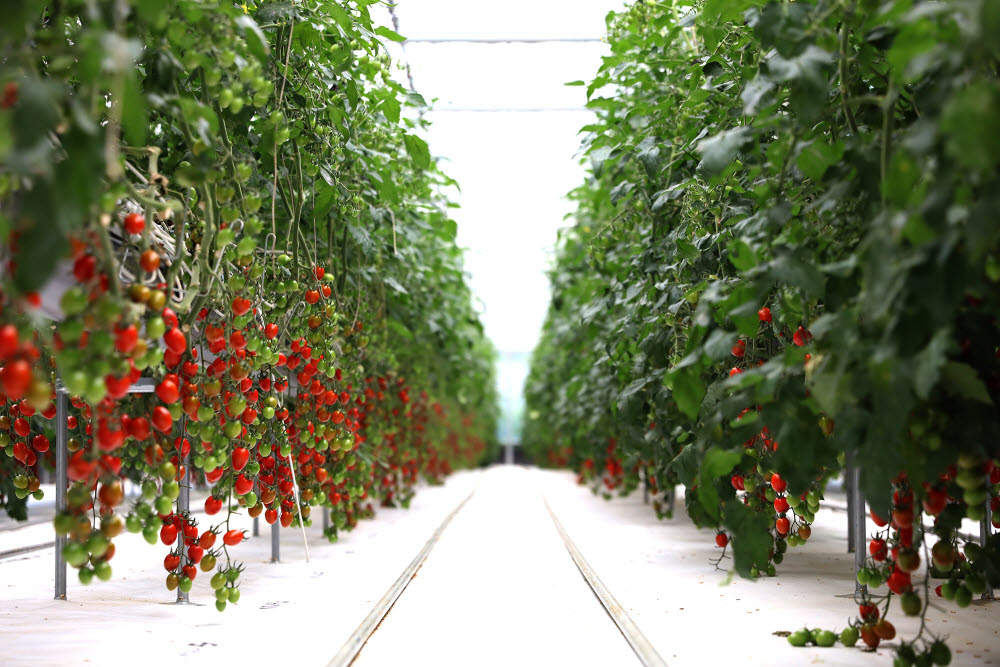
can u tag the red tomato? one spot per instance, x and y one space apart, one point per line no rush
233 537
168 534
149 261
241 455
212 505
162 419
134 223
175 341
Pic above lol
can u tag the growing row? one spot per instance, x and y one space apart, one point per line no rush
786 254
233 204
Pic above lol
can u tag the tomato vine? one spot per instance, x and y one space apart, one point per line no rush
786 252
234 201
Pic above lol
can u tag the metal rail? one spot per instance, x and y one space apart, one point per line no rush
352 647
643 648
10 553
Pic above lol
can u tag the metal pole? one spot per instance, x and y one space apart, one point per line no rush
326 518
256 526
848 488
183 503
275 542
645 485
858 530
985 531
62 456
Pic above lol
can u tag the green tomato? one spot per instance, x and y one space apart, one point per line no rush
102 569
75 554
218 581
155 327
975 582
220 605
963 597
73 301
133 524
234 595
849 636
171 490
799 638
164 504
86 575
151 533
825 638
97 544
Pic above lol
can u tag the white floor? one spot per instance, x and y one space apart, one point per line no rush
498 589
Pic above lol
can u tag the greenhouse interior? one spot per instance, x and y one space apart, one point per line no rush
536 333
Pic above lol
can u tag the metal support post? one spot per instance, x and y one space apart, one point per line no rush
508 454
184 503
275 541
848 488
645 485
858 529
985 532
256 526
62 460
326 518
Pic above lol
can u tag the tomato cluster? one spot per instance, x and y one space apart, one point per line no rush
208 265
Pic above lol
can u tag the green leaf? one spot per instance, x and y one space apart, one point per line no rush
688 390
648 153
326 198
927 365
598 157
741 255
971 122
790 269
687 250
751 539
719 151
390 107
818 156
715 464
256 40
418 151
134 117
382 31
962 380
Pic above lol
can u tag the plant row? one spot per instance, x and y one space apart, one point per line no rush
786 254
233 203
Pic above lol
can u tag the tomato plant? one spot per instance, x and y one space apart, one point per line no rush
234 201
785 253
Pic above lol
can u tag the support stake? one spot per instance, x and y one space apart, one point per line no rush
858 526
184 504
848 489
275 541
62 460
985 532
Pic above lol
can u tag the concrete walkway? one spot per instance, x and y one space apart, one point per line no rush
497 589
